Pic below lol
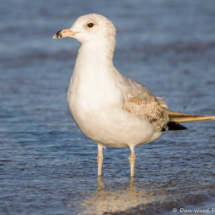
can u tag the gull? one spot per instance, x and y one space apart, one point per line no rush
109 108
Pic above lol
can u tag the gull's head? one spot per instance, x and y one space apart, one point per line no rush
89 28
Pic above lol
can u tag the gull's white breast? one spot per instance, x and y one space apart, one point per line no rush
95 102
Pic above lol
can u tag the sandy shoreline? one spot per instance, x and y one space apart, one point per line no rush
188 204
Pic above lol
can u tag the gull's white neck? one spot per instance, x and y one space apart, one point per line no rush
94 58
94 80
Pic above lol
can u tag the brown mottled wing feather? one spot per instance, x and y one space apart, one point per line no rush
150 110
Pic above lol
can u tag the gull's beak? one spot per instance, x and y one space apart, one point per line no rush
64 33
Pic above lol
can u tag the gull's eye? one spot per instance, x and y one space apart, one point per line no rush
90 25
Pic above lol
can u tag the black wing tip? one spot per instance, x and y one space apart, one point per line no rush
174 126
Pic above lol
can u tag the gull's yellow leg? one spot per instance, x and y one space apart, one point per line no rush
100 159
132 161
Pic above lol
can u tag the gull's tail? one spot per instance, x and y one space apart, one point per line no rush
182 117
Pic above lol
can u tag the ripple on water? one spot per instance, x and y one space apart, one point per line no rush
47 166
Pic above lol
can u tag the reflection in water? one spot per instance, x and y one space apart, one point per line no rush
141 197
100 184
117 197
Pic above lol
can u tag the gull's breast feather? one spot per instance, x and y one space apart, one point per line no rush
99 112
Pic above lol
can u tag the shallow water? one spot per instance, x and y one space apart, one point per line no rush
47 165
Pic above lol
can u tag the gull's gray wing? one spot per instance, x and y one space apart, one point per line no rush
141 102
134 89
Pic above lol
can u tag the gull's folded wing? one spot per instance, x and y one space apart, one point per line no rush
134 89
150 110
143 103
153 112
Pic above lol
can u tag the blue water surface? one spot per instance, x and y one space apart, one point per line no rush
47 166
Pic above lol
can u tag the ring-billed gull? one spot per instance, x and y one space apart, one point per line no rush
109 108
